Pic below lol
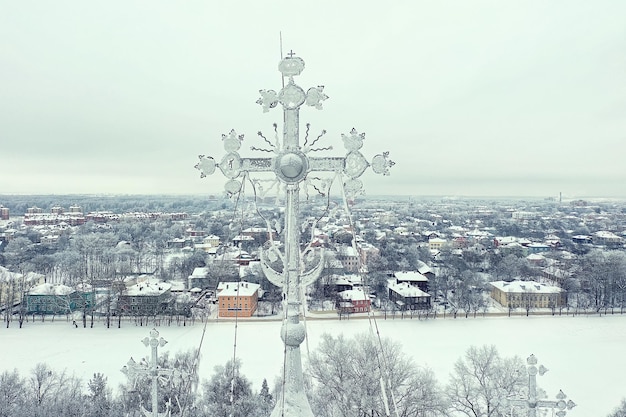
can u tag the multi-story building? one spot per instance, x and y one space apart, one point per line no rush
527 294
200 278
413 278
348 257
353 301
435 244
4 213
145 299
50 298
238 299
407 297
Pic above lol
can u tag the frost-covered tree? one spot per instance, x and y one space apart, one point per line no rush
99 397
619 411
482 380
12 398
266 400
228 393
51 393
347 376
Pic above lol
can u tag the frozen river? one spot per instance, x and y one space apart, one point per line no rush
585 355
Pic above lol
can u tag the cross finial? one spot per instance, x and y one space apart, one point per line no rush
291 53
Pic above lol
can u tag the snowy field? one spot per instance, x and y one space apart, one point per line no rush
585 355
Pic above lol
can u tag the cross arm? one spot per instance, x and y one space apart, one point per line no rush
256 164
327 164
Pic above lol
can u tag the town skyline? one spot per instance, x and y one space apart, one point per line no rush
481 99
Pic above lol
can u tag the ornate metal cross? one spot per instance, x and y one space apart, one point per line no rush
291 165
531 404
133 370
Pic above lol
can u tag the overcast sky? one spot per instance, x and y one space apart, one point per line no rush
472 98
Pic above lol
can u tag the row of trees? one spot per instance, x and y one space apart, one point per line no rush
45 392
355 377
94 253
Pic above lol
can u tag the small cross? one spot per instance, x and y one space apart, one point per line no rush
531 404
291 53
134 369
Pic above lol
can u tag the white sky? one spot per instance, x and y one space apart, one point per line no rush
470 97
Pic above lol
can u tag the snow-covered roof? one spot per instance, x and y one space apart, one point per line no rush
503 240
233 289
351 279
356 294
243 237
603 234
148 289
525 287
51 289
423 268
177 285
405 289
256 230
437 240
412 276
345 250
556 272
200 272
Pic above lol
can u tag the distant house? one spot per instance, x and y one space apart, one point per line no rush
145 298
608 239
582 240
212 240
237 299
536 259
348 257
244 242
556 275
178 243
13 284
535 247
4 213
49 298
413 278
259 234
367 251
527 294
353 301
435 244
407 297
425 270
199 278
339 283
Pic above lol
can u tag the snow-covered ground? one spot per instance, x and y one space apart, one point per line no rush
585 355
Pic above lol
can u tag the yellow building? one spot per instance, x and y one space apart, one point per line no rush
527 294
436 243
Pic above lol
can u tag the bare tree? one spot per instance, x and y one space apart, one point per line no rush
482 380
12 397
347 376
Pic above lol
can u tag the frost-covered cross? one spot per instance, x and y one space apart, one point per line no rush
133 370
532 403
291 165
